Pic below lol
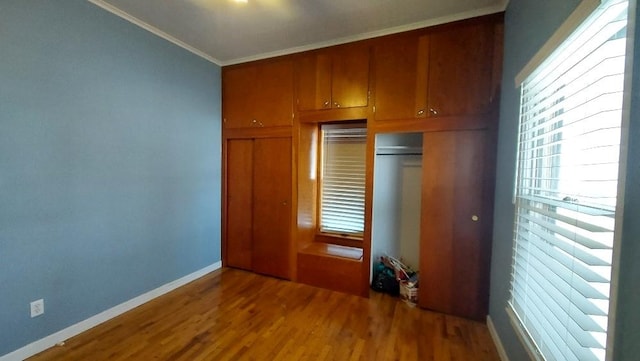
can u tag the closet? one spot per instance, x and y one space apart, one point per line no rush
429 99
456 220
258 221
432 209
396 197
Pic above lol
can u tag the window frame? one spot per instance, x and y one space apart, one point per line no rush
345 239
582 12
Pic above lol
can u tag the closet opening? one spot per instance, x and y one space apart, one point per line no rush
397 180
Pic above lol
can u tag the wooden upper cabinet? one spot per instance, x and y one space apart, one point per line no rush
258 95
400 72
461 67
314 81
450 71
333 78
238 95
350 77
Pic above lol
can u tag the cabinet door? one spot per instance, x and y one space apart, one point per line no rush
313 73
273 98
401 66
454 248
460 70
350 77
239 180
238 95
272 206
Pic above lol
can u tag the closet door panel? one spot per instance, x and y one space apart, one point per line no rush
272 206
239 203
454 262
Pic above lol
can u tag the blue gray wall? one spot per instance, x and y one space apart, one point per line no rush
110 161
528 25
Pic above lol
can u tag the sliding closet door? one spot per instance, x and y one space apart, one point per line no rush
454 249
272 206
239 180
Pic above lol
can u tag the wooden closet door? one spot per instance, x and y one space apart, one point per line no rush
272 206
454 248
239 182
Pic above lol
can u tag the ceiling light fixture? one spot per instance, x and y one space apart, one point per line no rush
241 1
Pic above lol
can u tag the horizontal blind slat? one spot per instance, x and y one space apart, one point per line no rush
343 180
566 189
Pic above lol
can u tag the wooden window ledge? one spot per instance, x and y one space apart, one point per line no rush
333 250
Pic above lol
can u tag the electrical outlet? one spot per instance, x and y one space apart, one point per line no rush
37 307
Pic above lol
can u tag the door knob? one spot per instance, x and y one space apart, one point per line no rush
474 218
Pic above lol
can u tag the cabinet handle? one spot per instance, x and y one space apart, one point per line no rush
326 104
336 104
474 218
284 203
420 112
433 111
256 123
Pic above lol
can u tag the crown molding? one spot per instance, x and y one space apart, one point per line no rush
152 29
363 36
373 34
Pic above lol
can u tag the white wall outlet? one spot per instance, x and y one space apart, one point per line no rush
37 307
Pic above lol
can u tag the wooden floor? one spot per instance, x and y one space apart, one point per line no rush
236 315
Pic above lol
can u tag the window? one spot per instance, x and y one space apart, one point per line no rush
566 190
342 179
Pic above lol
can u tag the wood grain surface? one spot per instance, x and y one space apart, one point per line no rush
236 315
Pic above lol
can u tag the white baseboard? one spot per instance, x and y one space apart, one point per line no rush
73 330
496 340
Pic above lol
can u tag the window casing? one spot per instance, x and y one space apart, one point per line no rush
566 190
342 180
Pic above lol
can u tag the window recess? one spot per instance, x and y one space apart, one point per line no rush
342 180
566 190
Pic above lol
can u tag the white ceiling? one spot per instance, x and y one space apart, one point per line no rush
226 32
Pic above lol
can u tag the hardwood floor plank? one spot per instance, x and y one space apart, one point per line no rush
237 315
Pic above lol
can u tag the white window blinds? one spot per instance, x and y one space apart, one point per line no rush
342 180
566 187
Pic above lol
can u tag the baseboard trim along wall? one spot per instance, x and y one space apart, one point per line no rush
496 340
73 330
